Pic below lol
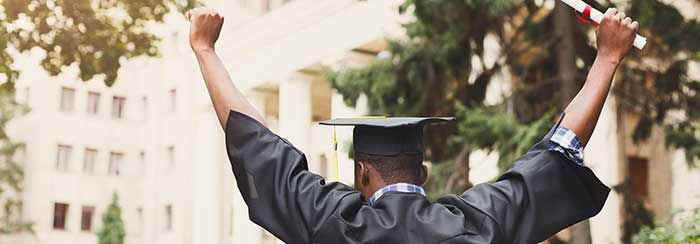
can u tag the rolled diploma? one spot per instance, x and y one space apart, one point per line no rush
597 16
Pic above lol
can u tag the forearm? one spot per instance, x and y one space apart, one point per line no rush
224 94
583 112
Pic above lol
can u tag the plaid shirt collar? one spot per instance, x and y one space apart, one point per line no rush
398 187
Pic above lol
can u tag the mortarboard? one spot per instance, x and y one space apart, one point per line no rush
385 136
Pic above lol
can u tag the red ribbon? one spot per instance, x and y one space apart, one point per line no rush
587 13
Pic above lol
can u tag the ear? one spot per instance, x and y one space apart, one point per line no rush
363 172
423 174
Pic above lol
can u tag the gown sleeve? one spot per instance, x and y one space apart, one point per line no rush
542 193
282 195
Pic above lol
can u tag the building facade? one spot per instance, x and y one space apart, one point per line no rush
154 139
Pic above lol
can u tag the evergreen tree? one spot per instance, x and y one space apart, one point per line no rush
112 231
441 69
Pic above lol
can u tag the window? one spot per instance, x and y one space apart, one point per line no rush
170 156
93 103
172 95
638 171
60 213
115 163
86 218
118 107
138 229
63 157
67 99
144 107
168 218
89 160
142 162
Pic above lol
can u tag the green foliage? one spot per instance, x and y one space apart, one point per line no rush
438 180
112 231
664 83
360 80
93 35
636 215
11 171
486 128
685 135
442 63
492 129
430 71
687 233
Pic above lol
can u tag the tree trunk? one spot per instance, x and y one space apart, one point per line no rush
460 178
565 51
566 72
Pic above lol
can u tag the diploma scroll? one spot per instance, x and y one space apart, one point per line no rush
597 17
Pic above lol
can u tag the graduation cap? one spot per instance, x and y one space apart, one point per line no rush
385 136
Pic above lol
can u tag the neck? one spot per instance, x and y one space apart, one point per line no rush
372 187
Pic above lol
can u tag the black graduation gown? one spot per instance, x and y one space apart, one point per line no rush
540 195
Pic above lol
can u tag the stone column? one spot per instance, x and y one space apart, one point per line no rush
206 217
295 110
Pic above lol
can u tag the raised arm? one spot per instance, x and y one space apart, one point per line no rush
545 191
615 37
205 26
282 195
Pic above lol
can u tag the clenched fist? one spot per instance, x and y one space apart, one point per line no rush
616 35
205 26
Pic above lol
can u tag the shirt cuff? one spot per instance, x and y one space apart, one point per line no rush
565 141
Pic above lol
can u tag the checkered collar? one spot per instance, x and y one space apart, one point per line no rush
398 187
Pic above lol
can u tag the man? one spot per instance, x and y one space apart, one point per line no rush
546 190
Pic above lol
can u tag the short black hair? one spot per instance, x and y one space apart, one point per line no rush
403 168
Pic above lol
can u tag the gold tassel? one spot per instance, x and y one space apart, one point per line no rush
334 167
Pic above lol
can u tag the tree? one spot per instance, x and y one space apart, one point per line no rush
11 172
566 73
441 69
687 232
95 36
112 231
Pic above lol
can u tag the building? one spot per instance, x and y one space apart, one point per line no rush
154 139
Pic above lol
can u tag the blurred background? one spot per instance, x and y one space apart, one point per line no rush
108 134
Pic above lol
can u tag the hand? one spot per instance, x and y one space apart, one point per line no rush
205 26
616 35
